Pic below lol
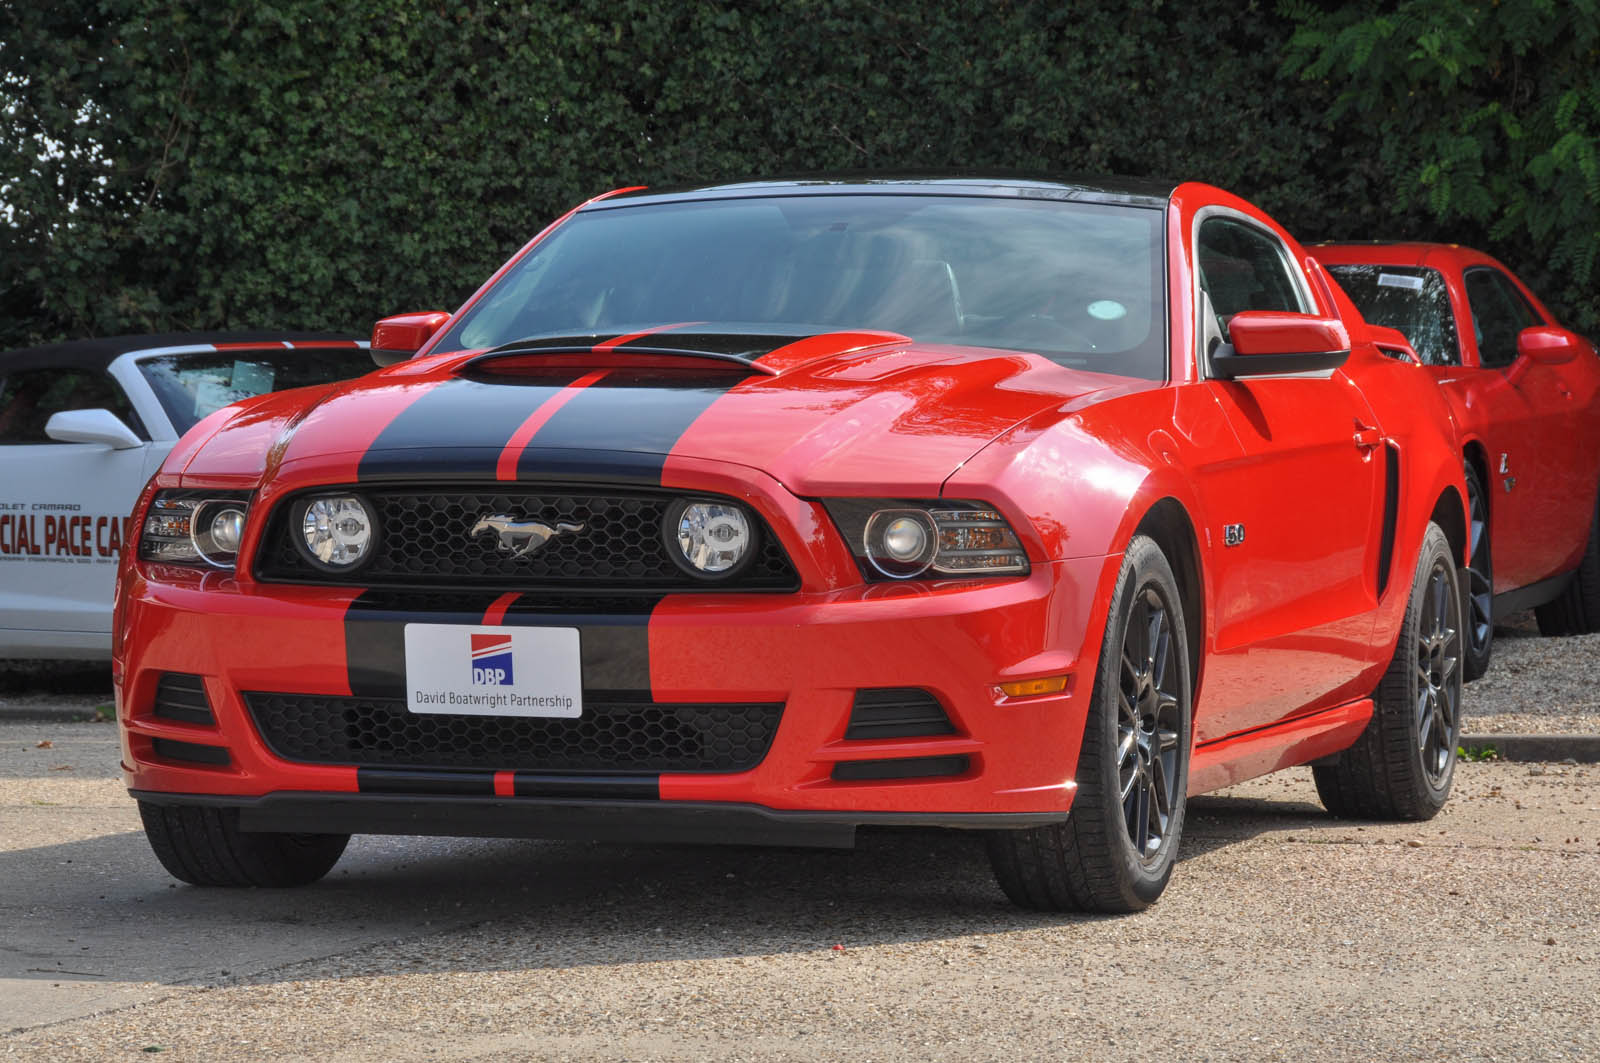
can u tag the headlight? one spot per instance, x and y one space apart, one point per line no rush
711 540
337 532
194 527
897 539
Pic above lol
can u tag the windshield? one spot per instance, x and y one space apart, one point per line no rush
190 386
1079 283
1412 299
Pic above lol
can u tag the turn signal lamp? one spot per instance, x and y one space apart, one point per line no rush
1027 688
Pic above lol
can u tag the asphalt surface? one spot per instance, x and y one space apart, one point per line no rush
1285 933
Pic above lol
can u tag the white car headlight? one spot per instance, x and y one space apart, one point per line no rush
194 527
900 539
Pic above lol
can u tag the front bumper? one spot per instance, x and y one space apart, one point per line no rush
809 651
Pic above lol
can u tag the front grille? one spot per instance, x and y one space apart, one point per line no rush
425 540
616 733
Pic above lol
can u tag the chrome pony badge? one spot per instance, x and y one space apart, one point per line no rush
519 538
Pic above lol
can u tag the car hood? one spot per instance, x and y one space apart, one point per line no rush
837 413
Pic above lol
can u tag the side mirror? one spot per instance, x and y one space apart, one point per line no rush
1547 345
91 426
394 339
1267 342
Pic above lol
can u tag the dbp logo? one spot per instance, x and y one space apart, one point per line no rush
491 660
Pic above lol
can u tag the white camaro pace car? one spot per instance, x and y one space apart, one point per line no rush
83 425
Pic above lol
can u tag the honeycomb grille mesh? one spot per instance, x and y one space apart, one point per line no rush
425 539
616 732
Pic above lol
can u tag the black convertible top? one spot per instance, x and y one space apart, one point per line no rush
100 353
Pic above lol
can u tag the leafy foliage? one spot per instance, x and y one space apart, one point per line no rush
1489 118
186 164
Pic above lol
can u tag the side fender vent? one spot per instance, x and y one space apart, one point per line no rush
1391 507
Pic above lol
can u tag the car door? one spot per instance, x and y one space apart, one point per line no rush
1298 510
63 512
1540 492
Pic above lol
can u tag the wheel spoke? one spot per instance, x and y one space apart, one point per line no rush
1425 730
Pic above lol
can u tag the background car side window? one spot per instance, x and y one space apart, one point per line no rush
1243 268
29 397
1499 313
1413 299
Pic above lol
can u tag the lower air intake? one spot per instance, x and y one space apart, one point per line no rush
182 697
897 712
617 732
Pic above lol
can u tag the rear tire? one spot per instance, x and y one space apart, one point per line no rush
1116 851
1478 609
205 847
1576 611
1402 765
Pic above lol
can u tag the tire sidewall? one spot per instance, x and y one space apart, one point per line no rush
1144 566
1473 662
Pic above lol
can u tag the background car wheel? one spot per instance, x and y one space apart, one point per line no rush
1577 610
205 847
1402 765
1116 850
1479 608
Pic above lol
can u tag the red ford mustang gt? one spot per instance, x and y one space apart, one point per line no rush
1525 393
767 511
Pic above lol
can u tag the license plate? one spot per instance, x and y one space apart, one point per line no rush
493 671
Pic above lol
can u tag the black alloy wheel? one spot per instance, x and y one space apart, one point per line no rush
1438 647
1480 581
1118 846
1148 724
1403 764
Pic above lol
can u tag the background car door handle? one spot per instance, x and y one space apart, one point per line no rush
1366 438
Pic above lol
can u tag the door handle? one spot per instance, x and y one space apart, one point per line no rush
1367 437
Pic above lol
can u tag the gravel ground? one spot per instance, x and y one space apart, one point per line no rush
1536 685
1285 934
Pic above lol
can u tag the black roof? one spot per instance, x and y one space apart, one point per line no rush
1136 191
101 352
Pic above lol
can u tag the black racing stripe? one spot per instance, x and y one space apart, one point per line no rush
624 424
458 429
403 781
742 345
613 634
634 787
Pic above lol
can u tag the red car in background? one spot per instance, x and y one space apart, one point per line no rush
767 511
1525 393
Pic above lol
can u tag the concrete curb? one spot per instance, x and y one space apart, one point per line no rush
1585 749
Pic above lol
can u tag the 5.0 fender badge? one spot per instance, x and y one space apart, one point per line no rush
1232 534
519 538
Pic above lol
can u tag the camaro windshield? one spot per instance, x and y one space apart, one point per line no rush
1080 283
190 386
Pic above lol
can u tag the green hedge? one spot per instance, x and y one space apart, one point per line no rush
305 164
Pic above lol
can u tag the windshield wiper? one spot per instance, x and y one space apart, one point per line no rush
739 349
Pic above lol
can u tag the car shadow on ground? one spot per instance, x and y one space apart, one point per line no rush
91 909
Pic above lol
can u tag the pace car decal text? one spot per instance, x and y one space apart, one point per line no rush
53 531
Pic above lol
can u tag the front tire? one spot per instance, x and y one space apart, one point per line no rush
1116 851
1577 610
1402 765
205 847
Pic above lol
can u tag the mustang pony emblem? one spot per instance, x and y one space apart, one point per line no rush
519 538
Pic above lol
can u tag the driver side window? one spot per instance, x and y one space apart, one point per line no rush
29 397
1244 268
